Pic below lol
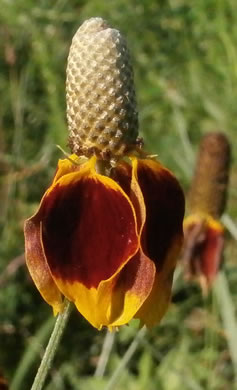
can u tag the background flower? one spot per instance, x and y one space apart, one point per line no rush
204 233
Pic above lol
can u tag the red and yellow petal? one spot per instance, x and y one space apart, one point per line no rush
164 201
37 264
89 229
128 291
159 204
157 303
35 257
162 234
203 248
89 233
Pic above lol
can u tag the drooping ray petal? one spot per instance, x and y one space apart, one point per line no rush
133 286
37 264
162 235
164 201
157 303
89 233
35 258
151 188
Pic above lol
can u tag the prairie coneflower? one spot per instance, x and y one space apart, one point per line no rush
203 232
109 228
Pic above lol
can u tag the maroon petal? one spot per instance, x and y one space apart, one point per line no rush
88 229
164 201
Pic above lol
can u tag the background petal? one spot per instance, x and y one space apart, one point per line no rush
211 257
202 249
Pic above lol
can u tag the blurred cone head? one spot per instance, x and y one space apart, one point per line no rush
209 186
101 104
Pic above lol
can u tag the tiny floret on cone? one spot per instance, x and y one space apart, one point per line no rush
203 231
109 228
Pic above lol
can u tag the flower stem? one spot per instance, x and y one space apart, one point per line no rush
52 346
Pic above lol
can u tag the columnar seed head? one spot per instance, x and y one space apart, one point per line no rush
209 187
101 104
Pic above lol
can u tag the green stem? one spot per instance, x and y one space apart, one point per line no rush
52 346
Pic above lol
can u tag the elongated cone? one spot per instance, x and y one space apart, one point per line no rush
209 186
204 234
101 104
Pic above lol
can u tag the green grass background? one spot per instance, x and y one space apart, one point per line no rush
185 61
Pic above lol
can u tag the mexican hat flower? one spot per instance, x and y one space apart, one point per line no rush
203 231
108 229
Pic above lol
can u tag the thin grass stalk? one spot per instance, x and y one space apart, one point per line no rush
105 354
125 360
227 312
31 353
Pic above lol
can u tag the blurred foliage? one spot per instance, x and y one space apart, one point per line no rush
185 62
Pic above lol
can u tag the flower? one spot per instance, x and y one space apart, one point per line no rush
203 248
107 244
203 232
109 228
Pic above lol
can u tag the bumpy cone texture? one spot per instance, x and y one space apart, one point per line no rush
209 187
101 104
